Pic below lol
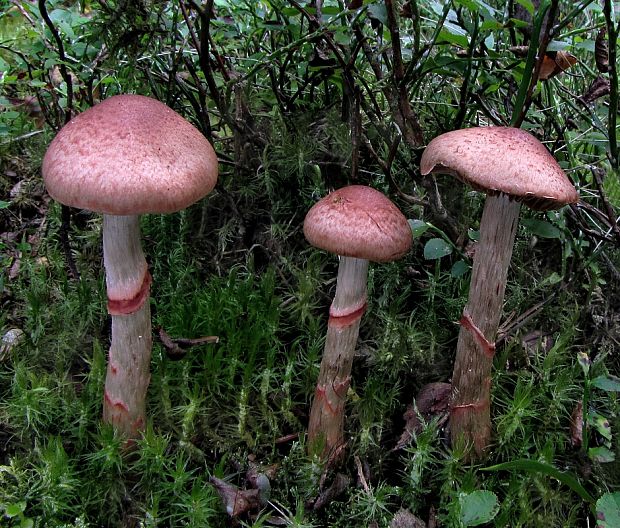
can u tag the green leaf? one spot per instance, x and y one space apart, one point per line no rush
15 509
436 248
541 228
535 466
472 5
453 34
459 268
379 12
418 227
3 204
601 455
601 424
608 510
478 507
608 383
528 5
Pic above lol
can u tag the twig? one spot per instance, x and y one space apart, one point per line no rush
524 97
63 59
65 210
611 214
612 39
386 167
411 129
574 209
360 474
509 326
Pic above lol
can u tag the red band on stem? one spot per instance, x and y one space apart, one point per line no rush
487 347
341 386
475 406
118 404
129 306
342 321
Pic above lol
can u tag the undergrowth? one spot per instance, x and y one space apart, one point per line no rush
292 120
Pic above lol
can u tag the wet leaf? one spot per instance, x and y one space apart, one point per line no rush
418 227
436 248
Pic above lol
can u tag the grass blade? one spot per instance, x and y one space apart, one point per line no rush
535 466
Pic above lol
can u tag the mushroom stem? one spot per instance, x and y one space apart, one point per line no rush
470 416
326 427
127 281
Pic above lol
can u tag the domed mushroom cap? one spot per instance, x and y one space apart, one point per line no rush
358 221
129 155
501 159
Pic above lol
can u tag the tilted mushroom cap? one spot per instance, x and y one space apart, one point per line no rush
501 159
129 155
358 221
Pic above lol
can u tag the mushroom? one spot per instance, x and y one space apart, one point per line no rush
124 157
512 167
358 224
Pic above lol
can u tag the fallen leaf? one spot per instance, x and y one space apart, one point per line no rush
433 399
600 87
406 519
340 483
554 63
236 501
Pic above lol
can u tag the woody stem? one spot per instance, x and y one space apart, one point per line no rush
470 418
326 427
127 281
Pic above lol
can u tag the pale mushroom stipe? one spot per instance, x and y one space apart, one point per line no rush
512 167
124 157
359 224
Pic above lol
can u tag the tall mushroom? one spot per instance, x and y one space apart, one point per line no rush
124 157
512 167
358 224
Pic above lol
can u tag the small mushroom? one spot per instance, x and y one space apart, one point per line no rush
358 224
124 157
512 167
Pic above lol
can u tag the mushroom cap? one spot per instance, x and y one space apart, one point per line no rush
129 155
501 159
358 221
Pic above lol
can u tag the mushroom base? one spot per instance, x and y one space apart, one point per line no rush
470 415
326 426
128 374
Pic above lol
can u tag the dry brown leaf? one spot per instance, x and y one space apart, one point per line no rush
576 426
236 501
601 51
433 399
